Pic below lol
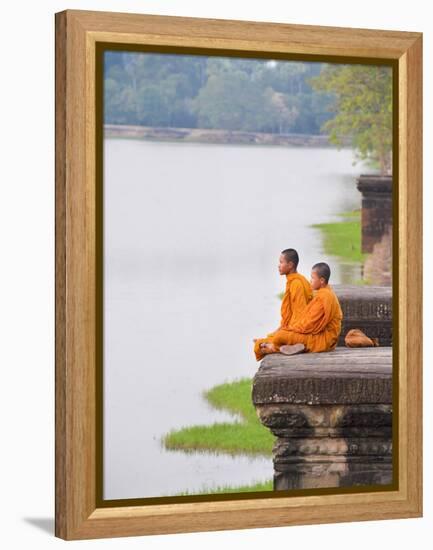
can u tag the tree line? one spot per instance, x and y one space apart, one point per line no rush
182 91
254 95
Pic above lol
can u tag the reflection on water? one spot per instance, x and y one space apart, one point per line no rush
350 273
192 237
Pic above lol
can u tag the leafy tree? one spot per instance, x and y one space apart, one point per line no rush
363 107
229 100
282 111
231 93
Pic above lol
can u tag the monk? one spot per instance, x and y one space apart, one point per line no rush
319 326
296 297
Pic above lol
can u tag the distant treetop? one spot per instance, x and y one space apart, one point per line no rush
191 91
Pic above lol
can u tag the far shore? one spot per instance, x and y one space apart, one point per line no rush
205 135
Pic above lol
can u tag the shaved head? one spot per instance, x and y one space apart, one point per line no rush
322 270
290 255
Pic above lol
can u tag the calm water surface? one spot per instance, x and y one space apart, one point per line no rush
192 237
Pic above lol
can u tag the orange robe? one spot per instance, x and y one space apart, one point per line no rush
297 295
318 328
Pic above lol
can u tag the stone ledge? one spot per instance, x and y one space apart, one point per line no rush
343 376
331 414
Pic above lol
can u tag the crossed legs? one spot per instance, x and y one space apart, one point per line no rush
281 341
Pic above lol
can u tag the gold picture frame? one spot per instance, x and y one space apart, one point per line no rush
80 35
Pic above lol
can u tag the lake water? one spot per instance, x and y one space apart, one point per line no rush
192 238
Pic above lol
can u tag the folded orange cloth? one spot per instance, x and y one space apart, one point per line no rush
355 338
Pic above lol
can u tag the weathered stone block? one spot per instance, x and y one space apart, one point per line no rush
331 414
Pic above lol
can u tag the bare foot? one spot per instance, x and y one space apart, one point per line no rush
292 350
268 347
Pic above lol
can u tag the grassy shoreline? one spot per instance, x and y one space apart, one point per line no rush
266 485
245 436
343 238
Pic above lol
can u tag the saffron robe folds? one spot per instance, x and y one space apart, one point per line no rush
297 295
318 328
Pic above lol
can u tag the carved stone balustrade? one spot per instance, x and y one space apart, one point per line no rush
368 308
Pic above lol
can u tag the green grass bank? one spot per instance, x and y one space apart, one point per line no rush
243 436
